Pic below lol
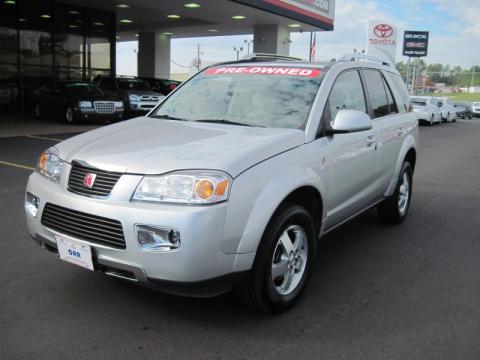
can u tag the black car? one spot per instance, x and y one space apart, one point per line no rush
136 93
75 101
463 110
162 86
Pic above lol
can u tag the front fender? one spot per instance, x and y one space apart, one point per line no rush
258 192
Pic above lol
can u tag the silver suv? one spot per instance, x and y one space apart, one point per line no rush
232 179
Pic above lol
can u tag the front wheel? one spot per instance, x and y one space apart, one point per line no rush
395 208
70 115
37 111
283 262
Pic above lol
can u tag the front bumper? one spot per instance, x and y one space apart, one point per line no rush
92 114
199 260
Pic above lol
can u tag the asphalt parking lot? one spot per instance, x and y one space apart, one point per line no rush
378 292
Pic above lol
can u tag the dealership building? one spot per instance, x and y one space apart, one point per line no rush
76 39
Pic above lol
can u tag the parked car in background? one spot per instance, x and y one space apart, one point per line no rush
9 99
76 101
162 86
448 110
463 110
476 109
426 110
231 180
136 93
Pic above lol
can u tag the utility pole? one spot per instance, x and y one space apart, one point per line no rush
198 57
473 76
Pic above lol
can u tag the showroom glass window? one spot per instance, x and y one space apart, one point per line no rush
8 33
69 42
98 41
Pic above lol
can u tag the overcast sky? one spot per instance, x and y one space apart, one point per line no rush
454 27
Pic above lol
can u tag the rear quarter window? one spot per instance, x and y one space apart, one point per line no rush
404 103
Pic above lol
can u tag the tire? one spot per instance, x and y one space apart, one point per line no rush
37 111
431 121
261 290
393 210
70 115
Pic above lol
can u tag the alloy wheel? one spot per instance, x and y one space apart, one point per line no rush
289 260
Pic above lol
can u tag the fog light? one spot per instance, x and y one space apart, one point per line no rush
32 203
157 238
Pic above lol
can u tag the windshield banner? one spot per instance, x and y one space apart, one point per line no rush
264 70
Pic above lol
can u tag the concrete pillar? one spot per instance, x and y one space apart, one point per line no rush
271 39
153 57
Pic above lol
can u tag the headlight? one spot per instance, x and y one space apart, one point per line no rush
50 165
85 104
192 187
118 104
134 98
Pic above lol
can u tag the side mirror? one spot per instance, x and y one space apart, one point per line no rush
350 121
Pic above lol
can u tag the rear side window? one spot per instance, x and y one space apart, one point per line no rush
399 84
378 95
347 93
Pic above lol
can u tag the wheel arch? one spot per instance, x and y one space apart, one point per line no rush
407 152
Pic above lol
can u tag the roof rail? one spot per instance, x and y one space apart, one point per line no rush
363 57
268 57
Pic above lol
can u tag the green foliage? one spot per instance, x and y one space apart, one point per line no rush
459 96
440 73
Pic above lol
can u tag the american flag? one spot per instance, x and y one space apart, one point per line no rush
313 46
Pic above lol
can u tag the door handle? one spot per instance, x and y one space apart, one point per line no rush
401 131
371 140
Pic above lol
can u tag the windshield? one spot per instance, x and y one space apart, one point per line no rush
266 96
83 89
133 84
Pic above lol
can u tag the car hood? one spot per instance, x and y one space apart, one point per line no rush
141 92
155 146
98 97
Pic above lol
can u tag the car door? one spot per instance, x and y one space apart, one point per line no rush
389 123
57 100
353 156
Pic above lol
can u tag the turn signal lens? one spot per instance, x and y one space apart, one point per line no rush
204 189
222 188
42 162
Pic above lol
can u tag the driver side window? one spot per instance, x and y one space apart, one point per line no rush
347 93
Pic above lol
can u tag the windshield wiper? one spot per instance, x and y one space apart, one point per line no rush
168 117
228 122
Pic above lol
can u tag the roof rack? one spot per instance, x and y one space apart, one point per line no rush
259 57
268 57
364 58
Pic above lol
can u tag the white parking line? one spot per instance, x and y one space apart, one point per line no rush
20 166
43 138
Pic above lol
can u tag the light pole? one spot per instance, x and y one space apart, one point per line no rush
238 51
248 45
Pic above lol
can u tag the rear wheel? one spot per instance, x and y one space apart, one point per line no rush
283 262
395 208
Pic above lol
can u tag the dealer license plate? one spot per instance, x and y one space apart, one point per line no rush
75 252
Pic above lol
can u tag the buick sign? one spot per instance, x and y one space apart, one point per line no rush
415 43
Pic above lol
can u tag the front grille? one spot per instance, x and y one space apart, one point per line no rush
92 228
102 186
104 107
149 98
